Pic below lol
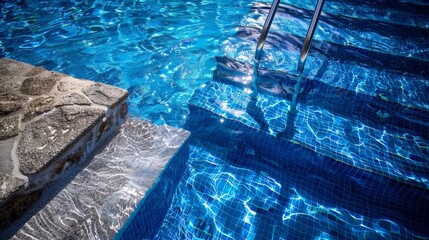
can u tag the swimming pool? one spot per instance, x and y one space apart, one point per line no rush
250 171
158 50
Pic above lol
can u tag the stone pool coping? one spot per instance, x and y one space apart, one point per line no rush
48 121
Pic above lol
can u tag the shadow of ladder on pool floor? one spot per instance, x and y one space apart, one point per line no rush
364 105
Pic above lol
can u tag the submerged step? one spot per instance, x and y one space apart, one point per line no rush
384 37
394 78
99 199
230 194
406 6
375 111
414 15
396 154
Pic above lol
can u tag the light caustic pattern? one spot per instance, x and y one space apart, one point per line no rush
216 200
350 60
399 155
158 50
356 9
96 204
373 35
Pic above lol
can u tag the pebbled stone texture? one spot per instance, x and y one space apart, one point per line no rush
104 94
73 98
37 106
6 163
10 103
40 84
9 126
12 74
9 68
8 184
47 124
35 71
65 86
45 139
9 86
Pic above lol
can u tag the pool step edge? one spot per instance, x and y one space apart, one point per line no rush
273 118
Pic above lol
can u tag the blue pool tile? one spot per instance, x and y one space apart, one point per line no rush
316 128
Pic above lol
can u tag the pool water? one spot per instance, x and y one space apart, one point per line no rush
159 50
241 197
354 167
241 184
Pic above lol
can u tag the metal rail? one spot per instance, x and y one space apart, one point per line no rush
304 53
260 45
304 50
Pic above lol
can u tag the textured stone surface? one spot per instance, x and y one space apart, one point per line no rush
104 94
96 204
47 125
45 139
9 86
73 98
9 68
37 106
65 86
9 184
11 73
6 162
40 84
35 71
9 126
10 103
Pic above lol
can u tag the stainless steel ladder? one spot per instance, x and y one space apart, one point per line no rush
304 50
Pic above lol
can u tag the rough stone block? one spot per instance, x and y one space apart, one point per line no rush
70 159
73 98
37 106
9 68
65 86
35 71
105 95
6 162
9 126
54 126
40 84
46 138
10 103
105 126
12 73
9 86
9 184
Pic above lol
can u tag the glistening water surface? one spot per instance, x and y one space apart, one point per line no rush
242 185
162 50
158 50
239 198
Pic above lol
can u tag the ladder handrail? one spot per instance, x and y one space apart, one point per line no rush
304 50
309 37
304 53
266 28
261 42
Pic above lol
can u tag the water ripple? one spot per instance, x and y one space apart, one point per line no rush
97 202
